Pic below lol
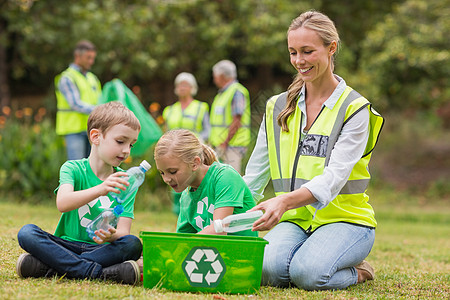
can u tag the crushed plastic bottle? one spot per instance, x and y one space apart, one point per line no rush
238 222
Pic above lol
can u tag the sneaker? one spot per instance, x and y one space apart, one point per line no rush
365 266
126 272
29 266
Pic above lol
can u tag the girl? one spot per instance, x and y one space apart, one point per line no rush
211 190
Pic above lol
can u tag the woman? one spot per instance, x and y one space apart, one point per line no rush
188 113
315 143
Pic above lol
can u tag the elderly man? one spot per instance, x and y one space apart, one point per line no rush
230 115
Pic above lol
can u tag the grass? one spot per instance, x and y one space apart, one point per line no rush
411 256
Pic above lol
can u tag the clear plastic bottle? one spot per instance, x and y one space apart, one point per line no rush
136 176
238 222
108 218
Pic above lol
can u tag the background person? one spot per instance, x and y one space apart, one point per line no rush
81 196
230 115
77 92
187 113
315 144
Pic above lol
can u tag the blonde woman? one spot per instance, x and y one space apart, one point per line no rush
315 144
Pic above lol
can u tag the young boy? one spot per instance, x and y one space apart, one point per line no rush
81 195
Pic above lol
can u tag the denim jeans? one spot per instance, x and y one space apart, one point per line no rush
322 260
77 145
77 259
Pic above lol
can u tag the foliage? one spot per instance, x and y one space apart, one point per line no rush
406 58
407 265
32 154
147 42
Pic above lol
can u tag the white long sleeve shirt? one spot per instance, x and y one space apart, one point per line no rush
348 149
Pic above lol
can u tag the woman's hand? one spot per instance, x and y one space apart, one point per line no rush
273 211
275 208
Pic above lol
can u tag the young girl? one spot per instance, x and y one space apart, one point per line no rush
211 190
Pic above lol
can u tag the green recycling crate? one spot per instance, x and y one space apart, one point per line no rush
202 263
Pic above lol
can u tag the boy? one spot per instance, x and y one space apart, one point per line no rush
81 196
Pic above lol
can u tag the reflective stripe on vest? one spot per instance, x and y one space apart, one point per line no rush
221 118
302 161
69 121
190 118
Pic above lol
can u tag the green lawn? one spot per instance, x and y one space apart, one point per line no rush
411 257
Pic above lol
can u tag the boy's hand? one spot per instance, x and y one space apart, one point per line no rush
114 182
102 236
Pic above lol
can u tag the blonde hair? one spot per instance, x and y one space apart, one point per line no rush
183 144
105 116
326 30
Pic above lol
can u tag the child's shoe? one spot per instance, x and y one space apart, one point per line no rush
29 266
126 272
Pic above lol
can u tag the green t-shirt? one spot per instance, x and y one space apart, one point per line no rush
72 224
222 186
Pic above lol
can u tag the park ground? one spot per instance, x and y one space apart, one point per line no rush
410 256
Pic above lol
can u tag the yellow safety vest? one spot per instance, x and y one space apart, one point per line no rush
69 121
190 118
221 118
294 162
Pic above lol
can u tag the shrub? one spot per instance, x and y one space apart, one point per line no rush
32 154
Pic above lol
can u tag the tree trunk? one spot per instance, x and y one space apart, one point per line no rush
5 96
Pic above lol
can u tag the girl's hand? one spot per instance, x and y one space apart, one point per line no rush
273 211
102 236
114 183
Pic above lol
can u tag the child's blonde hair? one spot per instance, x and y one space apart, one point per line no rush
185 145
105 116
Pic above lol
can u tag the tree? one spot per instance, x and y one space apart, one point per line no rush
406 57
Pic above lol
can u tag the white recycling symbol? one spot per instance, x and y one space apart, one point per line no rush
82 211
204 267
200 206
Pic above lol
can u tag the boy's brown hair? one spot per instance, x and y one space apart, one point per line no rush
105 116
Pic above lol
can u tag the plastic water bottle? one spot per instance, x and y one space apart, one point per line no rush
136 176
107 219
238 222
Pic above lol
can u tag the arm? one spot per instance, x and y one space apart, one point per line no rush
67 199
238 108
257 172
323 188
206 127
219 214
72 95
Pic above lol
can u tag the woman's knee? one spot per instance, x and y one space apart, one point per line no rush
309 276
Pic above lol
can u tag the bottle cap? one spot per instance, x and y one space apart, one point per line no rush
145 165
218 226
118 210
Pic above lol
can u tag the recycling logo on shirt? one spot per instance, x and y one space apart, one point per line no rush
204 267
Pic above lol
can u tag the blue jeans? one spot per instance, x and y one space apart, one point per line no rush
322 260
77 145
77 259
